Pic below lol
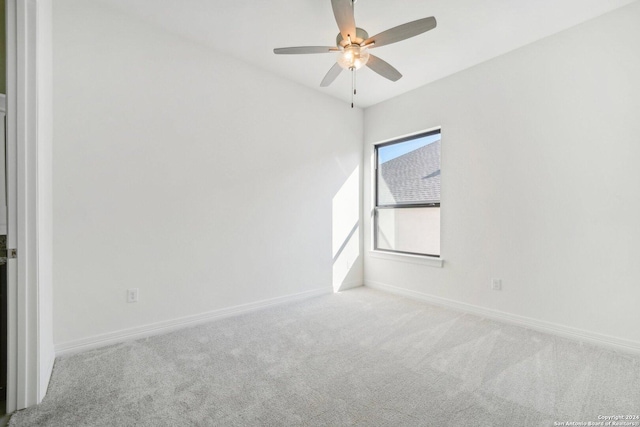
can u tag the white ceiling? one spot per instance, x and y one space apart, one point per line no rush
468 32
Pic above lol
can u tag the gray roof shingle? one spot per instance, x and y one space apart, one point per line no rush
413 177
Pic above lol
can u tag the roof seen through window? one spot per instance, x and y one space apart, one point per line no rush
409 172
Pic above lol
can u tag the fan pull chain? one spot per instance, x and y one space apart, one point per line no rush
353 84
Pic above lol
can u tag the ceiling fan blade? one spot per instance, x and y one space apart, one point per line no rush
383 68
343 11
304 49
331 75
402 32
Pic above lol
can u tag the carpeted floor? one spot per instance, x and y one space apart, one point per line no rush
360 357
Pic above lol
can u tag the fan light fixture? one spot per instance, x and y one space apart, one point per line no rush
354 44
353 57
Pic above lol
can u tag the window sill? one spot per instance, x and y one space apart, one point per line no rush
412 259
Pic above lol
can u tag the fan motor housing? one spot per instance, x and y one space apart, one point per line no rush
361 35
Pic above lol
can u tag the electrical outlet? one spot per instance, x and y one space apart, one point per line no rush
132 295
496 284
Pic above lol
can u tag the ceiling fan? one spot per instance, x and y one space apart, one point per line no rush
354 44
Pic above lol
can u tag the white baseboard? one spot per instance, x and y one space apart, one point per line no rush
130 334
350 285
608 341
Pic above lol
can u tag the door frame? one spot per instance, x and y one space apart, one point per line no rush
29 212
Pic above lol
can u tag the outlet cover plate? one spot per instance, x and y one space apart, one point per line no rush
132 295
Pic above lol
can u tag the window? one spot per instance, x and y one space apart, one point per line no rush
407 195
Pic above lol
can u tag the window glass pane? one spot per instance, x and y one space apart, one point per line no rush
409 172
413 230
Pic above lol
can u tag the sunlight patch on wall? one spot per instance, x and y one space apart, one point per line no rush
346 230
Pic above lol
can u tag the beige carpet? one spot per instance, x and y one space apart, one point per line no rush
360 357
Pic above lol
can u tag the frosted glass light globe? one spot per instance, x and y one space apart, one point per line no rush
353 56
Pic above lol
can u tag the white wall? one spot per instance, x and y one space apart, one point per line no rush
187 174
540 181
